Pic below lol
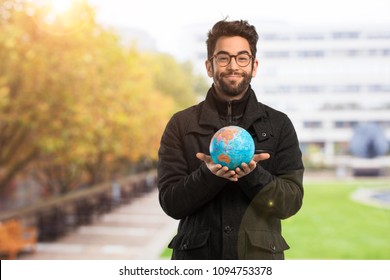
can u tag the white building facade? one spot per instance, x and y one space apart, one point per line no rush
326 79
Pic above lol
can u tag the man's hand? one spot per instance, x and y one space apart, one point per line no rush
217 169
248 168
232 175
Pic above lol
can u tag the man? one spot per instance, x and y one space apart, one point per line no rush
230 214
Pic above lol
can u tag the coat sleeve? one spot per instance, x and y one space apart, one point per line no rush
280 190
181 193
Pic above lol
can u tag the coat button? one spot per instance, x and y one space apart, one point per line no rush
273 247
228 229
264 134
185 246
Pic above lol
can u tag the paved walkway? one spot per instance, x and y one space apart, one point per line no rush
378 197
139 230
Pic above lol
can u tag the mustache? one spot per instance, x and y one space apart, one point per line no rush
229 73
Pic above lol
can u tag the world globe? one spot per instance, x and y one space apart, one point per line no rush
231 146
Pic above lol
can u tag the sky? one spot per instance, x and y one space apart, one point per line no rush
164 20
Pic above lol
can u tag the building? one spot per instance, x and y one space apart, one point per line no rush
326 79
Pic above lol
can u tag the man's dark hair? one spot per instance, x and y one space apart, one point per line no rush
232 28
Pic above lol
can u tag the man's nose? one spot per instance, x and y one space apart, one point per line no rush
233 64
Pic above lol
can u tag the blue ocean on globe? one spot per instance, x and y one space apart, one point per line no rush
231 146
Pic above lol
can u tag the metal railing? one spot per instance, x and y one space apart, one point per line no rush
56 216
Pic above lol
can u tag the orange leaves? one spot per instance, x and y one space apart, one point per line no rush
81 98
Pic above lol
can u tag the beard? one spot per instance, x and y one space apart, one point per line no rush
232 88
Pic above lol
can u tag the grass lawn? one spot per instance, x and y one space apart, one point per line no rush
331 225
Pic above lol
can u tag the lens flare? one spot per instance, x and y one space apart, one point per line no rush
61 17
60 6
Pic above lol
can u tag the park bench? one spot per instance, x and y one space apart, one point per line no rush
15 238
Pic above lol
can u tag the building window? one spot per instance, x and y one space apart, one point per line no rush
310 88
276 37
345 124
310 36
378 88
346 35
278 89
379 35
312 124
311 53
346 88
276 54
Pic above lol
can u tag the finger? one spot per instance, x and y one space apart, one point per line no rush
201 156
231 175
252 165
245 167
226 173
204 157
234 178
222 171
239 173
214 168
260 157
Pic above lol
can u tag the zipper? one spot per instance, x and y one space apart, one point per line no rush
229 113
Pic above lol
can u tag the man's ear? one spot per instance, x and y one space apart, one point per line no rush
209 68
255 67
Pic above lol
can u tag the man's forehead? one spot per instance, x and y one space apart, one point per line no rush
232 45
225 52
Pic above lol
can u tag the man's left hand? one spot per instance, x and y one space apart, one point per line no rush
248 168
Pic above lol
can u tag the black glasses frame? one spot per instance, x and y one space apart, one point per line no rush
230 59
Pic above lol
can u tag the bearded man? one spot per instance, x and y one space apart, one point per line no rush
230 214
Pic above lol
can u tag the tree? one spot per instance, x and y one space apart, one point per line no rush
172 79
74 101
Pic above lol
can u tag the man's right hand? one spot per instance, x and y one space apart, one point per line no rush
218 169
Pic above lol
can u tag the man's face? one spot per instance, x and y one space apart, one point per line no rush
231 81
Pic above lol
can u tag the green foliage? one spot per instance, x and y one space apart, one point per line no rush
172 79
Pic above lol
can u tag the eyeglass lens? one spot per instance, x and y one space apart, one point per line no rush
225 59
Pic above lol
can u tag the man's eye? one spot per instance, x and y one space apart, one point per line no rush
223 59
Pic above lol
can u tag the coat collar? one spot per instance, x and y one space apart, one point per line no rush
209 113
209 120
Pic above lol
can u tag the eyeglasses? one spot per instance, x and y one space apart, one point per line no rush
224 59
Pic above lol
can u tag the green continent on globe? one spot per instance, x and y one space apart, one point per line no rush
231 146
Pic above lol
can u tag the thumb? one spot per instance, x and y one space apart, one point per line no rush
203 157
260 157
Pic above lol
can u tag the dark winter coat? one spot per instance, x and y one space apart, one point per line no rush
220 219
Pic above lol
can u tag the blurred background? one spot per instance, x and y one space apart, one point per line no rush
86 88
